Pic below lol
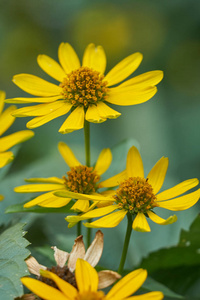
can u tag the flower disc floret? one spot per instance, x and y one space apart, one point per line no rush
135 195
89 295
82 179
83 87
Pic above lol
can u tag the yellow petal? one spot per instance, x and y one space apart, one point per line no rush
92 115
144 80
1 197
126 96
127 285
6 119
75 121
155 218
109 221
68 57
80 206
2 97
33 100
43 290
68 155
42 199
123 69
54 202
115 180
39 109
157 174
134 165
178 189
15 138
94 58
68 290
140 223
46 180
32 188
148 296
103 162
36 86
5 158
106 112
86 276
181 203
39 121
51 67
93 197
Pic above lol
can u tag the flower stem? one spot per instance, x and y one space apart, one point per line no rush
78 228
126 243
87 161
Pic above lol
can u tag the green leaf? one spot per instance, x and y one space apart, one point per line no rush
18 208
13 252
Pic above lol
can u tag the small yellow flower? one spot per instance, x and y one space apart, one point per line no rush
87 282
80 180
83 89
138 196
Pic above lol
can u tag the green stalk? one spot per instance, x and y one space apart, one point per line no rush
87 161
78 228
126 243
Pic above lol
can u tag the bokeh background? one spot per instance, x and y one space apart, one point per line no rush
167 32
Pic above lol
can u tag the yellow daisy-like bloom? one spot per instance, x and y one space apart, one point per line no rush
83 89
138 196
80 180
87 282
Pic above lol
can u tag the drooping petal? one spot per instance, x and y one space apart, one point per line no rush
157 174
109 221
33 266
5 158
60 256
75 121
34 100
134 165
103 162
68 57
46 180
155 218
51 67
144 80
93 197
124 68
2 97
36 86
107 278
126 96
94 252
6 119
86 276
94 58
181 203
106 112
115 180
127 285
92 115
78 251
15 138
148 296
178 189
43 290
32 188
68 155
39 121
81 206
140 223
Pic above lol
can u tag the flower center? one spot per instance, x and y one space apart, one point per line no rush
90 296
84 86
82 179
135 195
62 272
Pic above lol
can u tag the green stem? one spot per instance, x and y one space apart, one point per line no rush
78 228
87 161
126 243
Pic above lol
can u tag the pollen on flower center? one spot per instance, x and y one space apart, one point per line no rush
89 295
62 272
82 179
135 195
84 86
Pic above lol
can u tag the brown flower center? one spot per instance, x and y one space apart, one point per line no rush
89 295
135 195
82 179
83 87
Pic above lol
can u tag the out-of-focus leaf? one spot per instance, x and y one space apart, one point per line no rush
12 266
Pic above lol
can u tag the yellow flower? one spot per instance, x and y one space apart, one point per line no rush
87 282
79 180
138 196
83 89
